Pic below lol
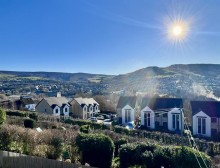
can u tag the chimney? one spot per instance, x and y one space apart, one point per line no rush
59 94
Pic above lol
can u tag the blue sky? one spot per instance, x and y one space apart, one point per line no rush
104 36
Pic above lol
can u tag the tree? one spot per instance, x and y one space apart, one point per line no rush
2 116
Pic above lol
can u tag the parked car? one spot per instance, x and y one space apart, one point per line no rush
130 125
107 122
101 117
93 119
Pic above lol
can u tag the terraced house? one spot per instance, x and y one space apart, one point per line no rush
162 113
84 107
126 109
57 106
206 118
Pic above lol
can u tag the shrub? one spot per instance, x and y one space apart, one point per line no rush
2 116
55 148
96 149
150 155
29 123
118 144
16 113
84 129
33 116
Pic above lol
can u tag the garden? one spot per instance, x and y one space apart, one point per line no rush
85 142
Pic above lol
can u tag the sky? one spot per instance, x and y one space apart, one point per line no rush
105 36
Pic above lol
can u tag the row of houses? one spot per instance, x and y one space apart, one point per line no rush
168 113
83 108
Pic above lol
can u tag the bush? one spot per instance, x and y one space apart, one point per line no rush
150 155
55 148
96 149
29 123
92 125
33 116
16 113
118 144
2 116
84 129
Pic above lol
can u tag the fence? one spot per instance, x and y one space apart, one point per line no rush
16 160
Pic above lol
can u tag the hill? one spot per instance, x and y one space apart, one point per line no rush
180 80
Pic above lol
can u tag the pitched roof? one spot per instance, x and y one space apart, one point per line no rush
127 100
56 101
211 108
86 101
161 103
27 101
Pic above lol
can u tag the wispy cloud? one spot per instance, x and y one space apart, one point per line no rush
96 10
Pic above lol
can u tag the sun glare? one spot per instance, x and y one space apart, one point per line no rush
177 30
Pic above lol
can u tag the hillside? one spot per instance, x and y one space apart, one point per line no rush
176 80
191 81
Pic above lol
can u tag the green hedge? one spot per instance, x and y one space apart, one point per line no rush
155 156
96 149
16 113
29 123
92 125
85 129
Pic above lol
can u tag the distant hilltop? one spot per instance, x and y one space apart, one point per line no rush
179 80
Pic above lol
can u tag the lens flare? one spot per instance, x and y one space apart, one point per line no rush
177 31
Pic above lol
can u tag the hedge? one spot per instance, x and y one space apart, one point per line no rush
29 123
151 156
2 116
96 149
93 125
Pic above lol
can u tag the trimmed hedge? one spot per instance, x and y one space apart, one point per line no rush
16 113
84 129
29 123
151 156
96 149
92 125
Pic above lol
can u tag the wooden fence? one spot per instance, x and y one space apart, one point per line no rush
16 160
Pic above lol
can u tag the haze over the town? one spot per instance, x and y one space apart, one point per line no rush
105 37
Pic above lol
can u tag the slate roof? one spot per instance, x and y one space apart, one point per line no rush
56 101
161 103
26 101
86 101
127 100
211 108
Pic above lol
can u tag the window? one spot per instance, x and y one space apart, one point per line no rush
176 121
201 125
213 120
66 110
147 119
157 115
165 115
57 111
127 115
85 109
45 110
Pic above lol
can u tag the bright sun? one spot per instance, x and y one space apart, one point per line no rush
177 30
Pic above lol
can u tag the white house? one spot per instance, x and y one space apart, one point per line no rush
206 116
147 114
126 109
162 113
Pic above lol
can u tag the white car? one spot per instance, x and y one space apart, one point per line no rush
93 119
107 122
